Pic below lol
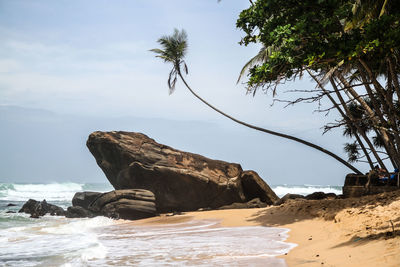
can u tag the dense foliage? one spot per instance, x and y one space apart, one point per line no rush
350 48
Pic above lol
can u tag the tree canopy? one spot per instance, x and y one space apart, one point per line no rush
351 50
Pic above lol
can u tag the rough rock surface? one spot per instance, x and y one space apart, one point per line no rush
131 204
181 181
84 199
255 187
37 208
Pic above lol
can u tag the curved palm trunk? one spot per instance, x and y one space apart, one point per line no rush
272 132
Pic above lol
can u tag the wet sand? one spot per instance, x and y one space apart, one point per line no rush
332 232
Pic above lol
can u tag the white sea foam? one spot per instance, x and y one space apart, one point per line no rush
56 241
282 190
77 226
50 192
97 252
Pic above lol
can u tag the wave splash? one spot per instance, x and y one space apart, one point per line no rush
50 192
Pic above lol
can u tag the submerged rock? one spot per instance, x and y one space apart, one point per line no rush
37 208
180 181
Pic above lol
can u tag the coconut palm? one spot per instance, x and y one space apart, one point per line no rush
366 10
173 50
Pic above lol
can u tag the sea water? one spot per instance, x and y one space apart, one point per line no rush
100 241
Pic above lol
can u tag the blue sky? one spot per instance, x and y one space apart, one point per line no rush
91 59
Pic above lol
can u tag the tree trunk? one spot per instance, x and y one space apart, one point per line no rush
272 132
349 120
390 149
361 131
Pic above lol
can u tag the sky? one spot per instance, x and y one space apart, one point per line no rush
68 68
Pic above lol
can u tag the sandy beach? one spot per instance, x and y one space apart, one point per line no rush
332 232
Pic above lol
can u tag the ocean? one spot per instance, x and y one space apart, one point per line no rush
100 241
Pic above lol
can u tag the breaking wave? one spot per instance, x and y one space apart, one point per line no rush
50 192
282 190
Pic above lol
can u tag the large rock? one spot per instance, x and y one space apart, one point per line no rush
37 208
181 181
131 204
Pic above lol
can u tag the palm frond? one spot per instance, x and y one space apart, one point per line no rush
173 50
261 57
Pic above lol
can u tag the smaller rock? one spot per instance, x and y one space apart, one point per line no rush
255 187
286 198
37 208
254 203
130 204
79 212
319 195
11 205
10 211
84 199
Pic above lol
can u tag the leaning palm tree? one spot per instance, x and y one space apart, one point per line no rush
174 48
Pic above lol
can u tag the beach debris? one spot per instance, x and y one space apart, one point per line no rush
390 221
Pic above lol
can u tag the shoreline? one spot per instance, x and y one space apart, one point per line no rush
335 232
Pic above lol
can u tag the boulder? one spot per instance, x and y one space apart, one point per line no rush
320 195
84 199
11 205
255 187
130 204
181 181
286 198
79 212
37 208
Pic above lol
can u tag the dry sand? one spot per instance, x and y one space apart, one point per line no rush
332 232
